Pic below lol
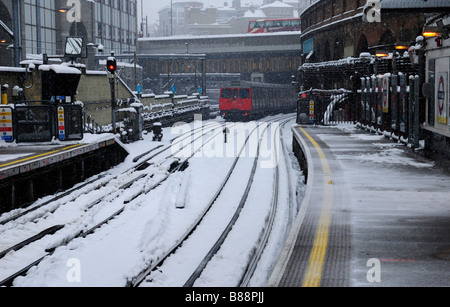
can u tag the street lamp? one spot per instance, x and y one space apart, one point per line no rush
64 9
381 54
402 46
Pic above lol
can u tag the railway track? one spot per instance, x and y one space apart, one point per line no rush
119 201
102 189
144 277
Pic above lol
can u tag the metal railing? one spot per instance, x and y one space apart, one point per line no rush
387 103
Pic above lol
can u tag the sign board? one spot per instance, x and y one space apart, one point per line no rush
139 89
6 125
311 112
61 124
441 97
308 46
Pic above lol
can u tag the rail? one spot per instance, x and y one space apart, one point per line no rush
40 211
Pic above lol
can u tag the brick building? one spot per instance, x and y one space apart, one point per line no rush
334 29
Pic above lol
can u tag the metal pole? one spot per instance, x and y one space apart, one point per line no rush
135 73
203 78
38 27
17 37
142 18
411 111
416 111
171 18
113 103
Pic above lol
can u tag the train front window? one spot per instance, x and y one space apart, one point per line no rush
244 93
235 93
226 93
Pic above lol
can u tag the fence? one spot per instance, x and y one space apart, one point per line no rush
385 103
42 123
389 104
327 107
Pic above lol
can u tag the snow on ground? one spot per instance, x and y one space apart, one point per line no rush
151 223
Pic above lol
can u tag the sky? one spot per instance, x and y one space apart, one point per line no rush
151 7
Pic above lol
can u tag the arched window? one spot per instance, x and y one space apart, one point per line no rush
362 46
387 38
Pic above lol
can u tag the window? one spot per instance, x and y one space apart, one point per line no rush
226 93
244 93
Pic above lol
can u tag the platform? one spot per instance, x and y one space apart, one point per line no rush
32 170
374 214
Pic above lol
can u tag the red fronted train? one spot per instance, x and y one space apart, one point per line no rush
256 100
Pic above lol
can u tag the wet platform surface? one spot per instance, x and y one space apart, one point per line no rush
374 214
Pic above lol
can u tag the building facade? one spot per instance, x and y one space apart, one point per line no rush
34 27
333 30
267 57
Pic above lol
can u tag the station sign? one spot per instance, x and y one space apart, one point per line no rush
6 124
311 111
61 124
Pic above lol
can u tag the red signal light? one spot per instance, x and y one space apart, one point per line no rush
111 65
303 95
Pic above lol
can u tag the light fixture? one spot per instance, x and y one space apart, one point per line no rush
380 54
3 41
402 46
64 9
431 32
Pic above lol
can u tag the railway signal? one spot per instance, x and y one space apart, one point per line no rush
111 65
305 108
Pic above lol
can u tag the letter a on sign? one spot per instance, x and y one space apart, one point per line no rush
374 273
74 14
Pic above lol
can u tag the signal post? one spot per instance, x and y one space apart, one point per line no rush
111 66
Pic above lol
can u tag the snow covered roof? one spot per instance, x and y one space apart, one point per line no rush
276 4
254 14
60 69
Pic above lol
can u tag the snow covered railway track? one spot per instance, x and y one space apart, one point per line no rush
75 232
94 183
263 237
258 248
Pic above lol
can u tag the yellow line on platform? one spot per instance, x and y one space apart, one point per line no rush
313 273
40 155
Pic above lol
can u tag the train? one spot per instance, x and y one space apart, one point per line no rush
274 25
251 100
